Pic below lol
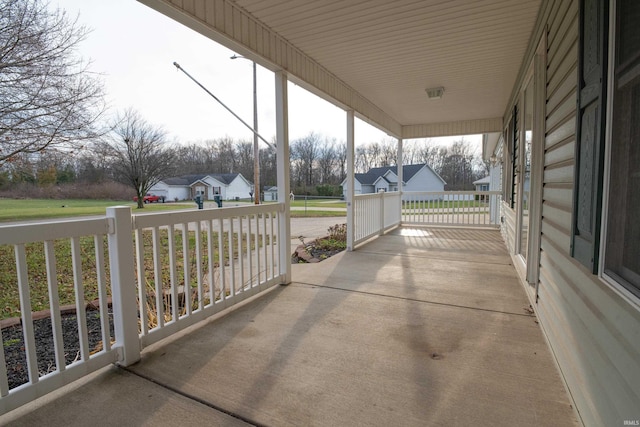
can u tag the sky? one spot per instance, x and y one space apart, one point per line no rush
133 48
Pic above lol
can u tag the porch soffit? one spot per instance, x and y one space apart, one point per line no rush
377 57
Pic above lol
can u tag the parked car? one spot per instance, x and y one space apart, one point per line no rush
150 198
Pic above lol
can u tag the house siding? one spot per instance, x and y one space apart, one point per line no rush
171 193
593 331
178 193
424 180
238 188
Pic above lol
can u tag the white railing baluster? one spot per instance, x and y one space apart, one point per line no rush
143 304
232 269
54 304
264 247
273 245
200 288
256 249
186 270
173 278
157 270
81 311
249 254
278 272
102 292
4 381
240 255
210 263
221 269
25 308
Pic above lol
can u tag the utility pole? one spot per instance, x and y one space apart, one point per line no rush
256 148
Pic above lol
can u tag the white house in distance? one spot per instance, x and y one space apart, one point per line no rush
415 178
230 186
482 184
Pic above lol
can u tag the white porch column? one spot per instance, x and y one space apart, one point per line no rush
282 155
123 286
400 163
350 180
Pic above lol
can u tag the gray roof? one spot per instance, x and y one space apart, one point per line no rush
485 180
408 171
225 178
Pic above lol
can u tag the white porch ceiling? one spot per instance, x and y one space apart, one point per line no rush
379 56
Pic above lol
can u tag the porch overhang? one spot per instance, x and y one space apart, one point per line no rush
378 60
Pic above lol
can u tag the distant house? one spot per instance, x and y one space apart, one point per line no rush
271 194
415 178
483 183
230 186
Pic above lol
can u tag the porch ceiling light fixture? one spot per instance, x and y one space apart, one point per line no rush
435 92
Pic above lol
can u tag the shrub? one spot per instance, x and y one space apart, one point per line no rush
338 232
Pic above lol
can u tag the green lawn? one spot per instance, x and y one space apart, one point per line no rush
27 209
318 203
316 213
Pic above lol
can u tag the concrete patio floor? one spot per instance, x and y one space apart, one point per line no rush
421 327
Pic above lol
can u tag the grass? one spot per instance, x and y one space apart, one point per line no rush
36 268
28 209
316 213
318 203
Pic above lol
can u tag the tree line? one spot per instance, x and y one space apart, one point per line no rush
137 154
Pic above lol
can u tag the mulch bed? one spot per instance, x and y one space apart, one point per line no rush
14 350
310 253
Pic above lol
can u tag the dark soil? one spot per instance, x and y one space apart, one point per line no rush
322 253
14 350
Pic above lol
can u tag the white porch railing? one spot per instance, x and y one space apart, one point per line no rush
451 208
374 214
226 255
186 266
46 237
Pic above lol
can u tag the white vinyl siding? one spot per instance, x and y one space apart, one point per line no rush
593 331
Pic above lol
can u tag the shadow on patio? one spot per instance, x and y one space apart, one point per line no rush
424 326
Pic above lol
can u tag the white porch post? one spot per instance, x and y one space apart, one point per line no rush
123 285
282 155
350 180
400 163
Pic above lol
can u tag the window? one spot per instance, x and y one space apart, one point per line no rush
622 242
622 238
508 183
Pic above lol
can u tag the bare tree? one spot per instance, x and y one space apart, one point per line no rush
304 154
138 155
327 160
341 160
362 161
457 166
48 99
191 159
388 154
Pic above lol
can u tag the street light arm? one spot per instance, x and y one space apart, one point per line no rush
255 132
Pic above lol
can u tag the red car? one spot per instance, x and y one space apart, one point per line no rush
149 198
